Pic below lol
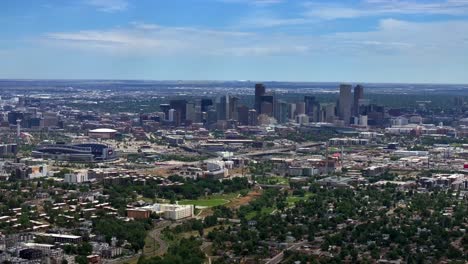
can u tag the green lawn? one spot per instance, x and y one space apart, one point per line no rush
212 200
205 202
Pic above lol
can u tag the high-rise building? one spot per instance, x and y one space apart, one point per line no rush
253 116
345 103
223 107
13 116
205 104
266 108
233 105
198 117
375 114
267 100
358 95
211 116
327 113
190 112
292 111
181 107
178 118
243 115
260 91
170 115
312 108
165 109
300 108
283 114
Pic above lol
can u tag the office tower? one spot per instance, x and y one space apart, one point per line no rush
181 107
253 115
198 112
205 104
275 105
283 114
243 115
300 108
178 118
266 108
222 107
190 112
267 99
312 108
358 95
165 109
375 114
171 115
292 111
345 103
13 116
327 113
363 120
233 105
259 92
211 116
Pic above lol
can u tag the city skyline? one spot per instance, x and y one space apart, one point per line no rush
364 41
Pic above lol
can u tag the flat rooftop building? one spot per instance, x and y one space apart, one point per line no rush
171 211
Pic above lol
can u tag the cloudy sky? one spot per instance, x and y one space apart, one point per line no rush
422 41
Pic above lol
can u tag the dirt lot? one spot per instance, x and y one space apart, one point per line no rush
237 202
234 203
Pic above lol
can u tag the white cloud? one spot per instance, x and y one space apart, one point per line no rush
109 6
385 7
391 39
266 21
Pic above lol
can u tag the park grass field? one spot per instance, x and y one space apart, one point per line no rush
205 202
212 201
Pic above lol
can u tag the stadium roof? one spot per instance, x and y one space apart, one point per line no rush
103 130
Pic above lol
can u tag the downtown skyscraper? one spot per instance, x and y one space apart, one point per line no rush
345 103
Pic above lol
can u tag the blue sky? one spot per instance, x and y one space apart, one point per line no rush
422 41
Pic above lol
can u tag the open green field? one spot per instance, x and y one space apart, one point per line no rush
211 201
205 202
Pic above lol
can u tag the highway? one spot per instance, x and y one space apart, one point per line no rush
250 154
279 150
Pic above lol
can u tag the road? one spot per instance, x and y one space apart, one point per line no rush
278 258
249 154
155 234
279 150
203 247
